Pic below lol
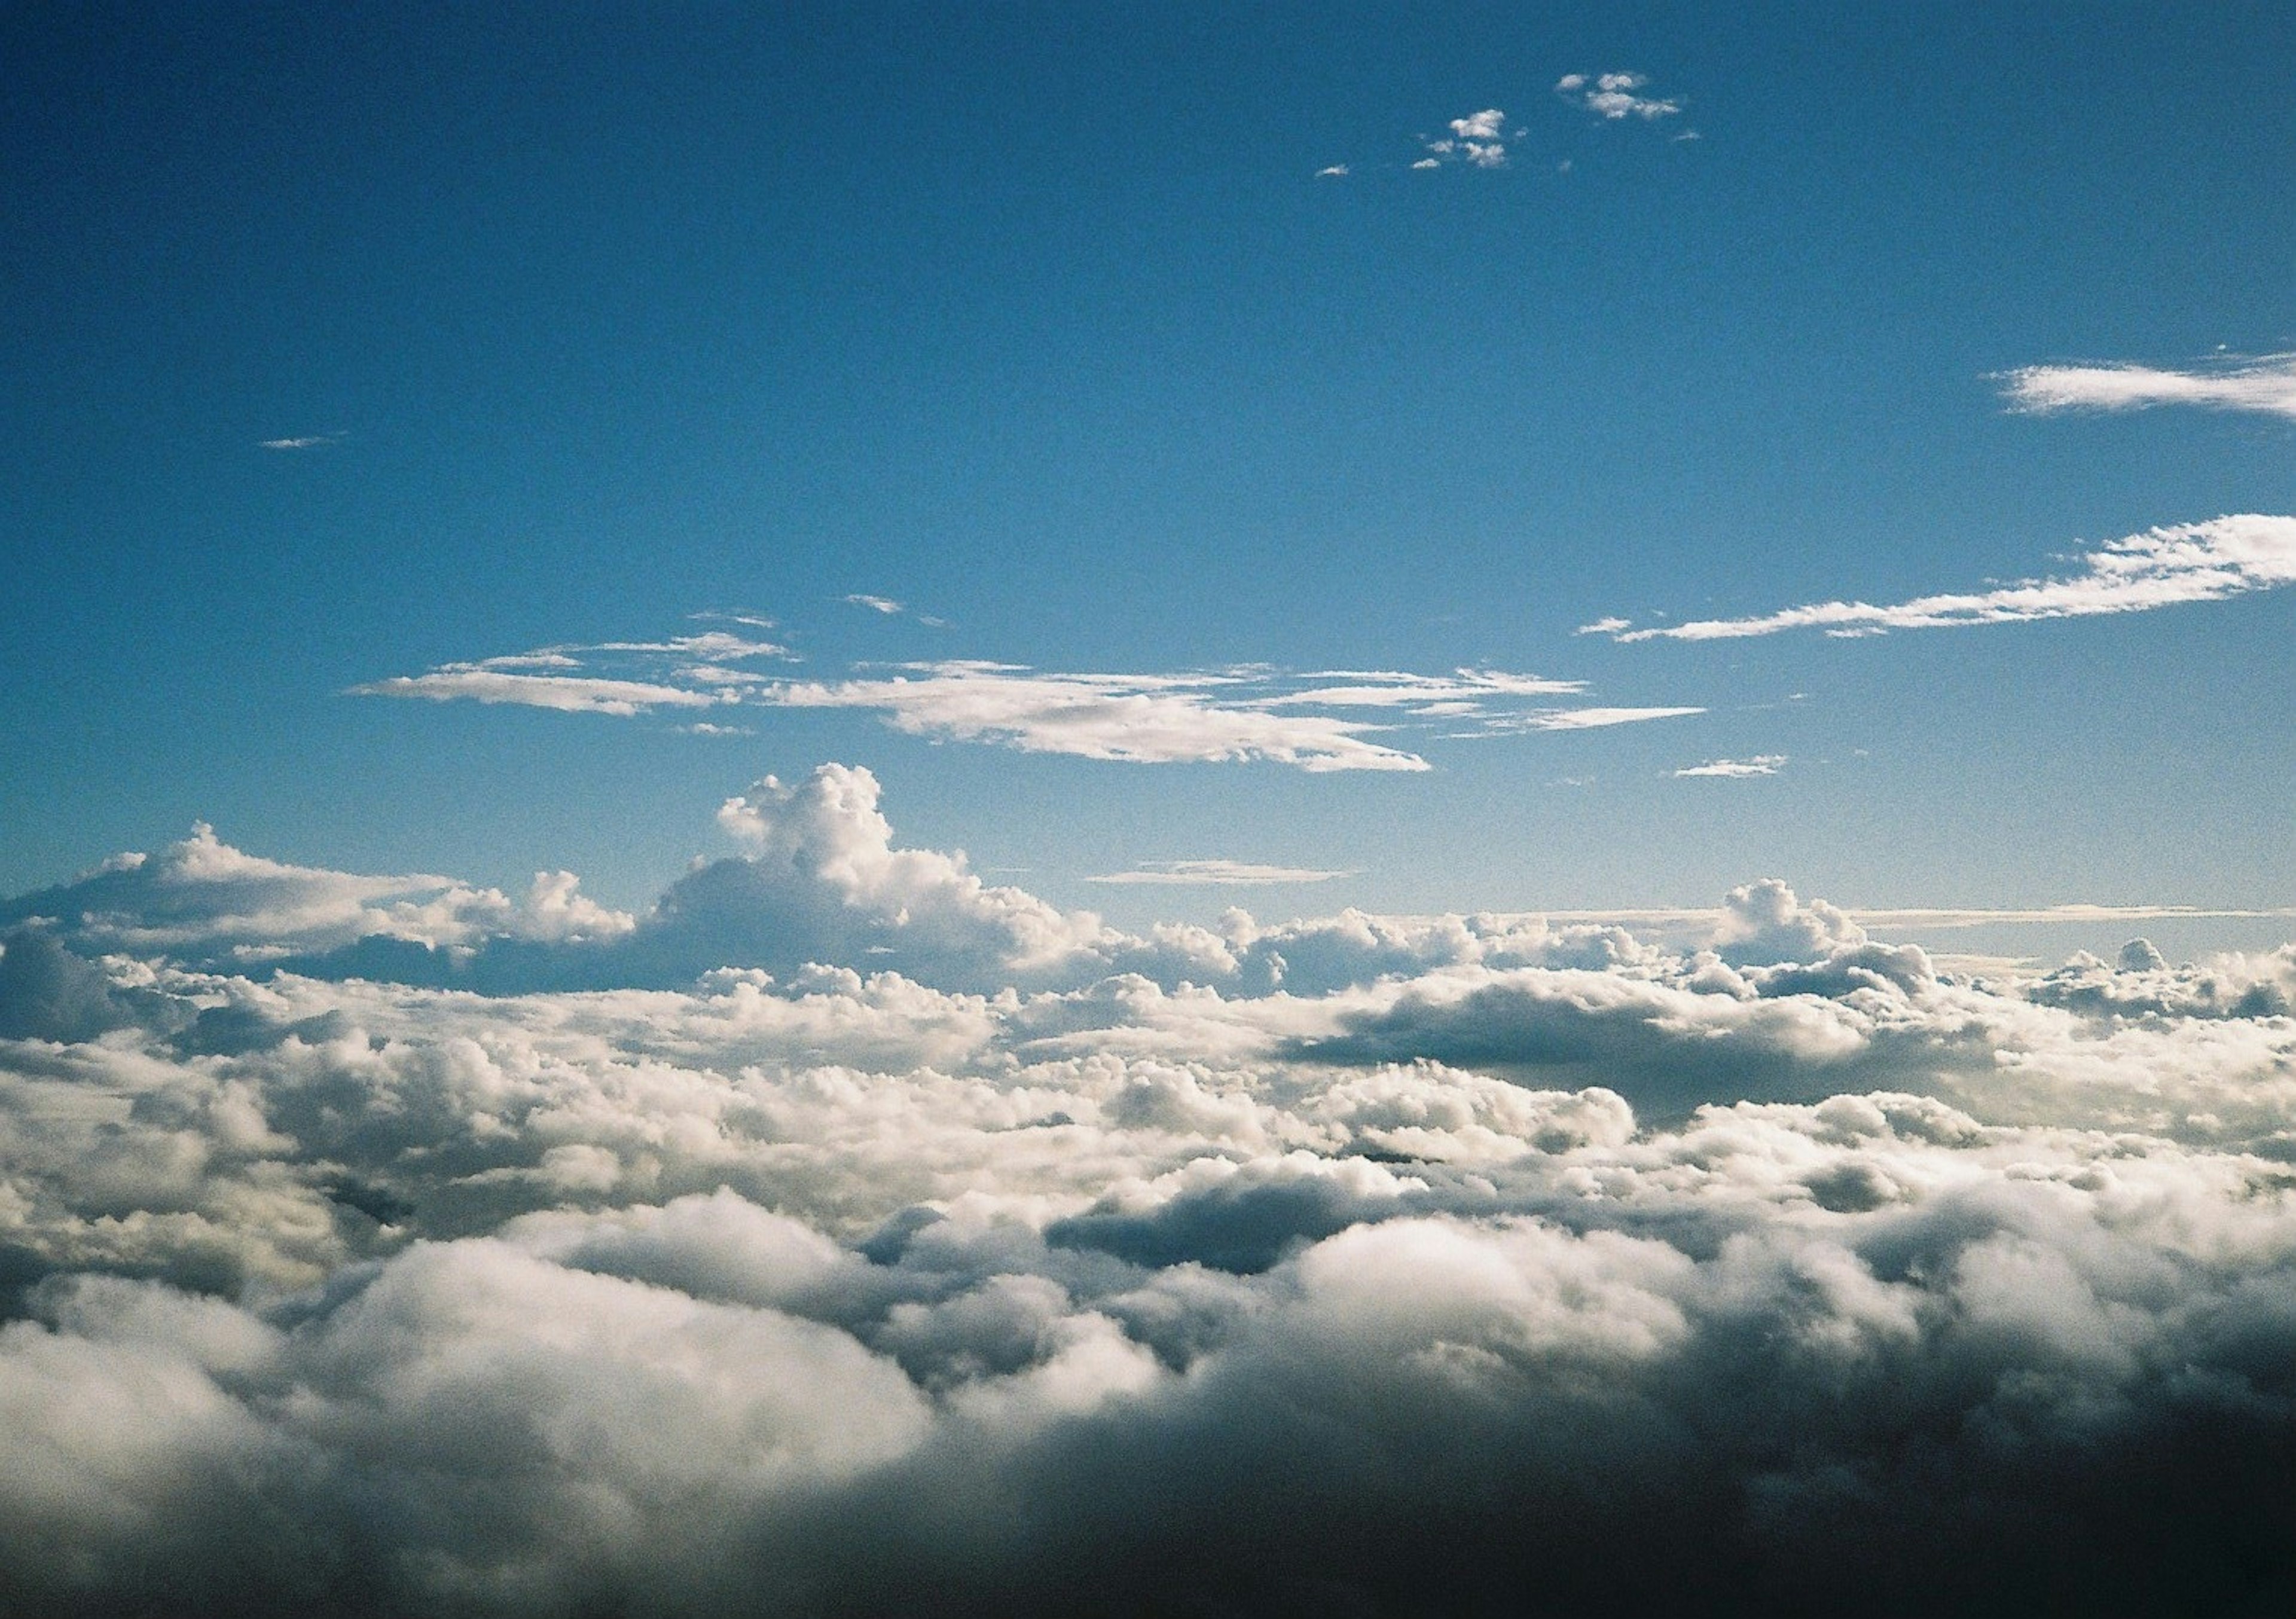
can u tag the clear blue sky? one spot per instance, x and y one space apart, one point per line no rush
1043 322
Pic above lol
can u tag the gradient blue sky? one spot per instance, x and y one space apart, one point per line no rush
1042 321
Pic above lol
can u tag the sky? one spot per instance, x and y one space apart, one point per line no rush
1350 809
353 348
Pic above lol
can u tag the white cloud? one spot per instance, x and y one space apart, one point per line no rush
1791 1263
2267 384
1474 139
1794 1266
1136 719
1587 719
876 604
1761 765
1223 872
1333 171
1614 96
310 441
1316 722
2227 556
567 693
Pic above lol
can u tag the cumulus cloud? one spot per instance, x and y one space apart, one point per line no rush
2267 384
2164 567
1474 139
1336 720
1614 96
1352 1263
1761 765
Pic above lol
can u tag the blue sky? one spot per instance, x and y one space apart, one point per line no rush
353 350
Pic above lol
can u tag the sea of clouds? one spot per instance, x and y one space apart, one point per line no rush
845 1235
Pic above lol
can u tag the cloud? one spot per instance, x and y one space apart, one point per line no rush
1761 765
1383 1265
2164 567
1587 719
1614 96
1475 140
2267 384
1227 872
1332 171
311 441
567 693
1326 721
876 604
1135 719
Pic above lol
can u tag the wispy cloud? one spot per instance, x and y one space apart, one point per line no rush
1614 96
1226 873
2267 384
1332 171
875 604
310 441
2227 556
569 693
1585 719
1330 720
1761 765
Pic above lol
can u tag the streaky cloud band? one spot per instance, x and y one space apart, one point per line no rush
2163 567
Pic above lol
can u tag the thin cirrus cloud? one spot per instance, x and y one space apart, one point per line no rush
1761 765
1214 873
2162 567
1332 720
2267 384
309 441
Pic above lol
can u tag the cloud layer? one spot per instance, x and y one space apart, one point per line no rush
2165 567
926 1248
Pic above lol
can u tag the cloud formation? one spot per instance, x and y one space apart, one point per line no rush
1614 96
2267 384
1352 1263
1475 140
1219 872
1332 720
2164 567
1385 1264
1761 765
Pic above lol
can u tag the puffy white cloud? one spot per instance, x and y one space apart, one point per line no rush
2268 384
1614 96
2226 556
201 899
1367 1262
